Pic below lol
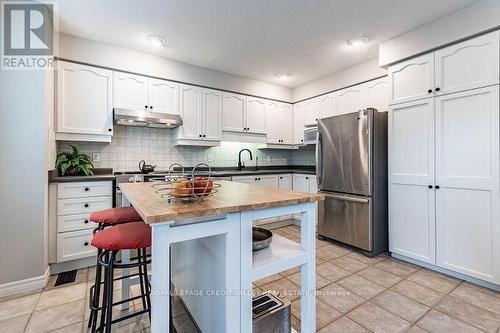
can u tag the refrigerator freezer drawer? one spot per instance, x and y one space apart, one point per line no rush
347 219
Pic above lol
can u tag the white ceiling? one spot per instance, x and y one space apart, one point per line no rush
253 38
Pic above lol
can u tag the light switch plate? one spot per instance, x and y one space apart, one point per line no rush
96 157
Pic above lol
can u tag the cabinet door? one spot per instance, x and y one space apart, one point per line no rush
312 111
163 96
411 172
467 172
328 105
190 107
298 123
286 126
300 183
84 99
130 91
467 65
412 79
377 94
245 179
212 114
256 115
273 113
233 112
268 181
350 99
312 185
285 182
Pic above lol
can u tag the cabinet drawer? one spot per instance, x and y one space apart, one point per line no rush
84 189
74 245
74 222
83 205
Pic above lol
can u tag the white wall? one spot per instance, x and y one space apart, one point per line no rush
349 76
23 175
97 53
480 17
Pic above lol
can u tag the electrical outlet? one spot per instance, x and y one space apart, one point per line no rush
209 158
268 158
96 157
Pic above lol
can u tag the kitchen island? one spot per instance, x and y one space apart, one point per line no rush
216 266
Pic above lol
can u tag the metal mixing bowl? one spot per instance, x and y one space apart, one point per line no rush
261 238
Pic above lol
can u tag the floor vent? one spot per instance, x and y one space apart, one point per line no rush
65 278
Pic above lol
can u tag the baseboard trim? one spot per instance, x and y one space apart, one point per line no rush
25 286
461 276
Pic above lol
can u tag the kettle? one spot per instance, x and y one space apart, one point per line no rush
146 168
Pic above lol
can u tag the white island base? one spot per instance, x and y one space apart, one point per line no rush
213 268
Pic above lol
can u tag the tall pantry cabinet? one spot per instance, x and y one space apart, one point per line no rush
444 159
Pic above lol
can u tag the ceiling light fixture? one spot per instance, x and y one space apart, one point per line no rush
284 76
156 41
357 42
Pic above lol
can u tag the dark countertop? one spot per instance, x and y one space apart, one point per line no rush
100 174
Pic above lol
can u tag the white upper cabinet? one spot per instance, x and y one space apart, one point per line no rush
411 180
350 99
280 119
233 112
470 64
163 96
190 107
130 91
255 115
140 93
312 111
298 123
412 79
467 173
84 103
212 114
201 112
376 94
328 105
273 120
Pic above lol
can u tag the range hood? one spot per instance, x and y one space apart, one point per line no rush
145 119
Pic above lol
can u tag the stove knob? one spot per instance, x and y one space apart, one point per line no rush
131 180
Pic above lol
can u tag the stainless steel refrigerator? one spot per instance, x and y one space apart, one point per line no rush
351 153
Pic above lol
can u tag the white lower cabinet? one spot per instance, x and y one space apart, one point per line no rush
75 202
74 245
304 183
444 196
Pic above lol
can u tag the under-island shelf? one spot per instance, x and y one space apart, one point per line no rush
282 254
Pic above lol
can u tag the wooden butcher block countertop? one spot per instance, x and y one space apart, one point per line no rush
231 198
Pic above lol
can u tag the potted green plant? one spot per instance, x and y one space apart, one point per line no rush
74 163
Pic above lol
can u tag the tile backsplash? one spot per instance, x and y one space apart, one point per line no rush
130 145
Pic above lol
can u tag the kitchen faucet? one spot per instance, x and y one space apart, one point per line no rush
242 165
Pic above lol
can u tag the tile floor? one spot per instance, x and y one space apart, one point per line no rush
355 294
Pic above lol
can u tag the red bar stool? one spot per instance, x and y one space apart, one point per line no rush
106 218
130 236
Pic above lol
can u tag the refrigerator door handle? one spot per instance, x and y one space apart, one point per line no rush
319 159
345 198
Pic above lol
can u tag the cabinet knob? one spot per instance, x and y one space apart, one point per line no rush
86 205
204 135
86 221
301 140
145 106
255 179
437 88
258 178
281 177
248 128
199 135
86 189
430 186
110 129
151 107
429 91
437 187
307 177
86 244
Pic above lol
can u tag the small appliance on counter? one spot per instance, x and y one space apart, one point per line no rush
271 314
146 168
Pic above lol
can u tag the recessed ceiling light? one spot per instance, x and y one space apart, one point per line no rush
284 76
357 42
156 41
